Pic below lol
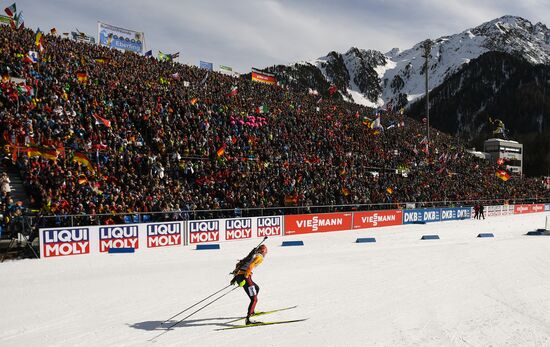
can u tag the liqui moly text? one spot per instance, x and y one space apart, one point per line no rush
124 236
165 234
204 231
65 242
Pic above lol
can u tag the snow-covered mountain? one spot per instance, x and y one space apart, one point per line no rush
372 78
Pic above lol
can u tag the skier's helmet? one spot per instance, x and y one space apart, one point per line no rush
263 250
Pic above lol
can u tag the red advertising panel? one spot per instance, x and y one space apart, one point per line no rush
317 223
537 208
374 219
520 209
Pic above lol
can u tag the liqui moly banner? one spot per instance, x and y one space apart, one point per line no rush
118 236
63 242
231 229
201 231
374 219
238 228
164 234
317 223
269 226
422 216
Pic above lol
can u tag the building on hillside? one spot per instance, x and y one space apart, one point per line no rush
510 152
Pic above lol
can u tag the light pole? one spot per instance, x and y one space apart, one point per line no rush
427 46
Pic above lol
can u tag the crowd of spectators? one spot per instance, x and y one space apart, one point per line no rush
161 136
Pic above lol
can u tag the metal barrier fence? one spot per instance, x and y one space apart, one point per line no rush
40 221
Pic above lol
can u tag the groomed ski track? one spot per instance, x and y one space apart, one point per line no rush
400 291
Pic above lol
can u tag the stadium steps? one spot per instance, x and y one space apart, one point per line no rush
16 185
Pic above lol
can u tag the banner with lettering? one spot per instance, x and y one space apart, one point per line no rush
317 223
94 240
230 229
375 219
428 215
120 38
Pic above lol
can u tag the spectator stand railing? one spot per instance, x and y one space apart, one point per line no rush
52 221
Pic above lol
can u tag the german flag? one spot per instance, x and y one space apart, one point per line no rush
503 175
82 179
33 152
221 151
82 77
291 200
82 159
50 154
345 191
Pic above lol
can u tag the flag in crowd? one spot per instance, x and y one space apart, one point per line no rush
503 175
262 109
101 120
149 53
332 89
221 151
206 65
263 77
203 81
10 10
82 159
234 90
226 68
18 22
38 40
31 57
82 77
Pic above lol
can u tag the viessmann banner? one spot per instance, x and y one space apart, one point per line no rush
56 242
121 38
317 223
375 219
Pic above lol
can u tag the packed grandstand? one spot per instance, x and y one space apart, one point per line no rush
101 133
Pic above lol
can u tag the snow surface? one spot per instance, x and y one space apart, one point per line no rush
400 291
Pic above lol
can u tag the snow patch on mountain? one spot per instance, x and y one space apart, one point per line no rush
398 76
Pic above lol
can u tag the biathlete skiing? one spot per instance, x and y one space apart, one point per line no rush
243 277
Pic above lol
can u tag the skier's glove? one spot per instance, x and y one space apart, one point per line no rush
241 283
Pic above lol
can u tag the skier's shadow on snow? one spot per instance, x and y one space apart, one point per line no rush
156 325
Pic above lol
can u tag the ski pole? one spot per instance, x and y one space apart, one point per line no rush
189 315
259 244
190 307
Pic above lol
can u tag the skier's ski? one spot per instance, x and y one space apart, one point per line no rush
262 323
263 312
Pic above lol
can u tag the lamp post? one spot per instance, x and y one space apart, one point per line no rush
427 46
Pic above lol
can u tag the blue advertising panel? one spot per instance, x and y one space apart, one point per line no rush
455 213
120 38
428 215
206 65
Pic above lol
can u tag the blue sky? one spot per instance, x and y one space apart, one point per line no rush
256 33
